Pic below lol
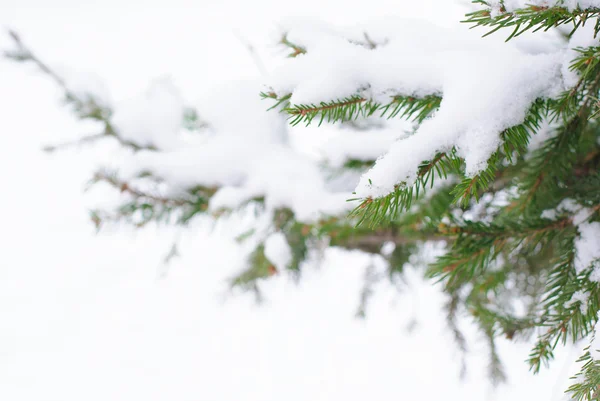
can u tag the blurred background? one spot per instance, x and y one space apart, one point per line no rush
86 316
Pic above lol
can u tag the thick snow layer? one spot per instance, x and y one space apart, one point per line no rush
234 109
153 118
334 68
278 251
487 86
244 171
474 110
86 85
359 145
246 155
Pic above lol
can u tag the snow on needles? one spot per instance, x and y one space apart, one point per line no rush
246 155
487 87
347 145
152 118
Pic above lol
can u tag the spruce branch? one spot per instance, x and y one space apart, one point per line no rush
511 256
353 107
144 206
573 101
373 211
515 140
563 319
337 110
280 102
530 17
22 53
124 186
477 245
587 385
558 157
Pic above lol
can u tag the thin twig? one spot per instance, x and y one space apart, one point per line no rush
92 109
77 142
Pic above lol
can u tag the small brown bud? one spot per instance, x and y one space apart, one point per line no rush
305 230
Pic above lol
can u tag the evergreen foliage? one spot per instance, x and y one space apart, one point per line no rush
519 253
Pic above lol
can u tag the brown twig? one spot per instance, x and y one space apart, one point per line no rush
124 186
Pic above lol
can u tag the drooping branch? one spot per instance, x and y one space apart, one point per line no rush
86 106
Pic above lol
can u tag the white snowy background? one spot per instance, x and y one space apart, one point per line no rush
97 317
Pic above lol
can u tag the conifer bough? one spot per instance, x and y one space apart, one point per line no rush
485 149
